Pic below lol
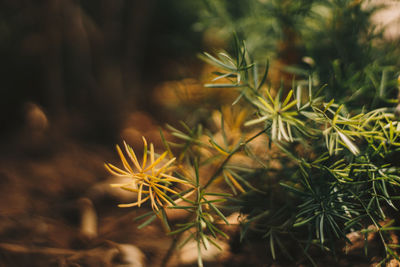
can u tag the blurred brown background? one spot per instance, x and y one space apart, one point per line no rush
86 63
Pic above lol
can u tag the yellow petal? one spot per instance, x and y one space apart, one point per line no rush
144 153
123 159
170 178
158 200
153 203
234 182
165 166
132 156
115 171
165 187
133 204
154 163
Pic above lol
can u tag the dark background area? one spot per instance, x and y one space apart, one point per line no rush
87 63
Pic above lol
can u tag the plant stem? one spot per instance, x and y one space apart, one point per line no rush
238 148
174 243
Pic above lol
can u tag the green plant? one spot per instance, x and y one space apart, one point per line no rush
332 40
339 175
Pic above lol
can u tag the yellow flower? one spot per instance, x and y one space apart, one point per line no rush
150 180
